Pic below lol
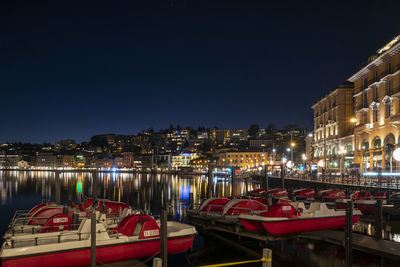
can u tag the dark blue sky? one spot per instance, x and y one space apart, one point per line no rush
70 69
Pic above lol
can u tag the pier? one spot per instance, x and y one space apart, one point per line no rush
371 245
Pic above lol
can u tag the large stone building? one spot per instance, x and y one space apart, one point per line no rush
376 106
363 128
333 127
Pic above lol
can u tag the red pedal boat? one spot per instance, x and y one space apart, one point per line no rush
286 218
304 194
331 195
136 236
49 217
363 200
219 207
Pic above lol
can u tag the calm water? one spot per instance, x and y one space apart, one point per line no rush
23 190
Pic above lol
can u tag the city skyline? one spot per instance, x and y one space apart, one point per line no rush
67 72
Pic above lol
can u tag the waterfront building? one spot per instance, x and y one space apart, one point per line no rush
9 160
128 159
104 163
203 162
65 161
243 159
143 161
183 159
333 142
376 106
161 161
23 164
45 160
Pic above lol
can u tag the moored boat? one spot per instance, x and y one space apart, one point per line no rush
364 201
331 195
136 236
219 207
49 217
304 194
291 218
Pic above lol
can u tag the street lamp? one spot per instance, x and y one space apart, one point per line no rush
342 151
292 144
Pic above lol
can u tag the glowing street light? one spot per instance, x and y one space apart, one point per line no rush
353 120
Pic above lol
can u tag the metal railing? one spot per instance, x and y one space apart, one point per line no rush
380 182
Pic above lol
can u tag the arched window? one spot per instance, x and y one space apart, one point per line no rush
377 142
365 145
349 148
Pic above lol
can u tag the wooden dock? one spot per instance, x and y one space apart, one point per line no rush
380 247
384 248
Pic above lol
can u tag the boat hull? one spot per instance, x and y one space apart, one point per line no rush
306 225
104 254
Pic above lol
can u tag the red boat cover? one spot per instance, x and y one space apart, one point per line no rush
333 195
277 193
243 206
259 191
361 195
380 195
141 225
41 216
304 193
38 207
262 200
214 204
281 210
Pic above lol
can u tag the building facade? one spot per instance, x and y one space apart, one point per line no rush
364 128
243 160
333 127
376 106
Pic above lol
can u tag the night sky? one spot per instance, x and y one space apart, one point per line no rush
72 69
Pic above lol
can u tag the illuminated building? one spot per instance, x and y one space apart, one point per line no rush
332 127
183 160
203 162
240 134
376 107
65 161
161 161
46 160
178 138
219 136
244 160
9 160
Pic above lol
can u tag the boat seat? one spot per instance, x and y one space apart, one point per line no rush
84 228
299 205
323 210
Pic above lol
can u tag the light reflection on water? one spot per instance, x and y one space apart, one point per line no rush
22 190
141 190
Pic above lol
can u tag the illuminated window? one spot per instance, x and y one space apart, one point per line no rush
376 114
365 83
389 87
375 93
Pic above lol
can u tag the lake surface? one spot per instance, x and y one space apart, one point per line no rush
24 189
